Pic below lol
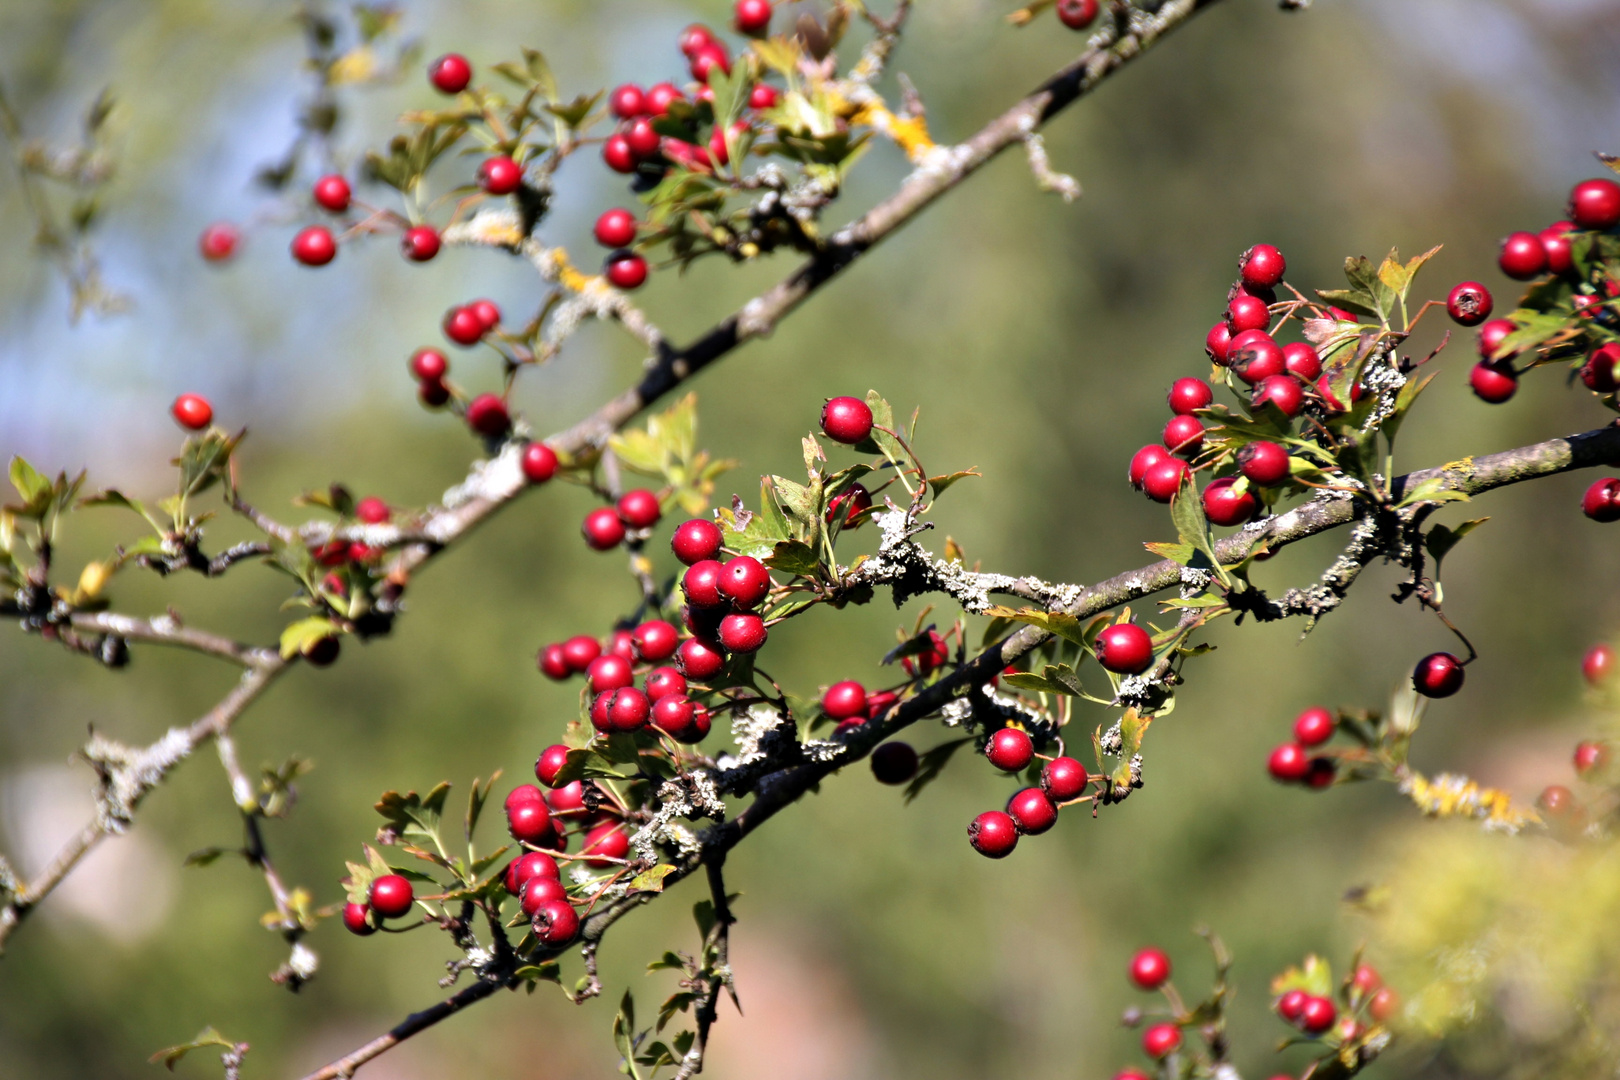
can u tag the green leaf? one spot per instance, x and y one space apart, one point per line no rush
941 483
794 557
206 856
651 880
540 72
1131 730
1060 623
1363 278
1314 976
302 635
413 816
574 113
476 798
1534 328
1440 540
1432 489
1398 277
203 461
931 763
801 506
208 1037
294 558
35 490
1187 513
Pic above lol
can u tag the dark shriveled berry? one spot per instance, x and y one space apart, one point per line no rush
894 763
1469 303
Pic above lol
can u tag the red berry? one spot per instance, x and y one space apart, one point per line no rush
487 313
743 633
843 700
762 96
701 584
628 708
1300 359
1076 14
314 246
528 821
894 763
450 73
695 37
1556 800
372 510
1143 460
500 175
608 840
556 923
1161 1040
1254 355
567 799
930 658
1602 500
1493 384
579 651
617 154
627 102
1318 1015
615 228
655 640
332 193
1598 663
1150 969
849 507
1289 763
847 420
1438 675
1225 505
463 326
1595 204
1263 463
432 393
1217 341
707 59
529 866
661 97
663 682
1325 392
1245 312
192 412
1189 395
1124 648
879 702
1131 1074
1598 373
553 664
539 891
1491 336
549 763
1383 1005
1184 435
1292 1005
487 415
673 714
609 672
429 365
357 919
1010 749
1282 391
1032 811
752 17
745 581
602 528
1314 726
1262 267
699 659
639 508
993 834
1555 241
641 137
391 896
539 463
696 541
1522 256
626 270
218 241
420 243
1063 779
1164 479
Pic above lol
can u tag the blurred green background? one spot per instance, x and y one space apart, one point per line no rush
1038 338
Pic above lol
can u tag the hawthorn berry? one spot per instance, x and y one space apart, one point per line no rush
1598 663
1143 460
1032 811
192 412
539 463
693 38
566 800
332 193
894 763
1289 763
1555 241
579 651
1318 1015
420 243
661 97
843 700
1523 256
528 866
528 821
314 246
1438 675
616 228
1161 1040
1493 383
1077 14
639 509
1063 779
1163 479
672 714
1124 648
655 640
1184 435
553 663
1225 505
846 419
745 581
450 73
848 508
1598 373
218 241
1189 395
487 415
930 658
1218 341
1131 1074
463 326
391 896
663 682
556 922
549 763
1314 726
626 709
538 891
609 841
487 312
1301 360
879 702
762 96
323 652
743 633
1468 303
1245 312
993 834
696 541
617 155
1383 1005
1321 774
1150 969
1254 355
1595 204
1491 336
602 528
626 270
707 59
699 659
701 585
1263 463
752 17
1282 391
1602 500
641 137
609 672
500 175
1010 749
357 919
627 101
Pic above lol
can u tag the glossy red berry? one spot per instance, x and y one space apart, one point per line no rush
628 708
655 640
762 96
699 659
420 243
1598 663
1365 979
695 37
463 326
1161 1040
429 365
1595 204
661 97
673 713
695 541
1245 312
1301 360
372 510
1438 675
527 867
663 682
626 270
539 891
1491 336
609 841
1150 969
500 175
603 529
1163 479
1291 1005
639 508
1282 391
539 463
617 155
1063 779
1522 256
1218 341
847 420
218 241
1262 267
1184 435
528 821
1325 392
314 246
579 651
357 919
1189 395
1263 463
1124 648
1289 763
391 896
450 73
487 313
1226 505
1598 374
1557 243
616 228
701 585
1318 1015
1077 14
1493 383
627 102
549 763
192 412
743 633
1254 355
1032 811
552 663
843 700
894 763
556 923
848 509
993 834
879 702
332 193
487 415
1602 500
641 137
609 672
1143 460
1314 726
1010 749
752 17
745 581
708 59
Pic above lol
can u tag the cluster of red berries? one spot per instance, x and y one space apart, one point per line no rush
1317 1015
1293 763
606 527
390 897
611 672
1031 810
1150 970
1592 757
851 705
